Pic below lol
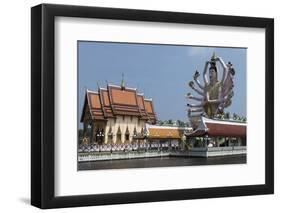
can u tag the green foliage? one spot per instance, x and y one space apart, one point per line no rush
180 123
186 143
171 122
227 116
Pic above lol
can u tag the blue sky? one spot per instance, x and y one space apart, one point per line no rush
161 72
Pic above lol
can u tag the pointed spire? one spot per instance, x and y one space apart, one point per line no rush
122 82
213 62
213 56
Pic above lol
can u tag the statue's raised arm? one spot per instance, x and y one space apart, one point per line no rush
205 75
191 84
225 69
190 96
195 77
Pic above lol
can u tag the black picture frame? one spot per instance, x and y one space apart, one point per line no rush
43 102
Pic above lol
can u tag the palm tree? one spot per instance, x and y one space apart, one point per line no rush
227 115
180 123
161 123
170 122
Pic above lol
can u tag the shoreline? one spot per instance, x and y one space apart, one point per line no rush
168 161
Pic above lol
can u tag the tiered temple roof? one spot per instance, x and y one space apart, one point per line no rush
117 100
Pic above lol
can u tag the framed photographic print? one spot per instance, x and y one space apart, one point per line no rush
139 106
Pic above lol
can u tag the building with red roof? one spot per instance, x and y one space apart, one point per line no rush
116 114
214 130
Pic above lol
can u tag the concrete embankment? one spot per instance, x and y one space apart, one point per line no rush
194 152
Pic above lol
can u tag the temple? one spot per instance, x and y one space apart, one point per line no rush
216 133
120 123
116 114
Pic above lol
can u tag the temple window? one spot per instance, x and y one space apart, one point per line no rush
135 134
127 135
119 134
110 135
89 128
100 136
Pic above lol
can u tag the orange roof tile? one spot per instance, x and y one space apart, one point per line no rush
125 97
95 100
140 101
161 133
94 105
105 97
118 101
148 106
150 110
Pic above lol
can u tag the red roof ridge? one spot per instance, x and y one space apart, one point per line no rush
229 122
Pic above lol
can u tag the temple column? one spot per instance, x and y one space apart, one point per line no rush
92 133
206 140
170 145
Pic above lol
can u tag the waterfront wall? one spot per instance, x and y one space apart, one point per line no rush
121 155
212 151
194 152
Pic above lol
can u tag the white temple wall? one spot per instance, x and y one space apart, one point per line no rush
123 122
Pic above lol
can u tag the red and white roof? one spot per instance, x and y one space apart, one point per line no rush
220 128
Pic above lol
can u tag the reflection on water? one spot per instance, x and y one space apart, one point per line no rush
161 162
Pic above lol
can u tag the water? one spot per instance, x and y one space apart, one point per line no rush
161 162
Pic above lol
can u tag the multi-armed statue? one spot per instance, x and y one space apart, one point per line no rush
214 94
